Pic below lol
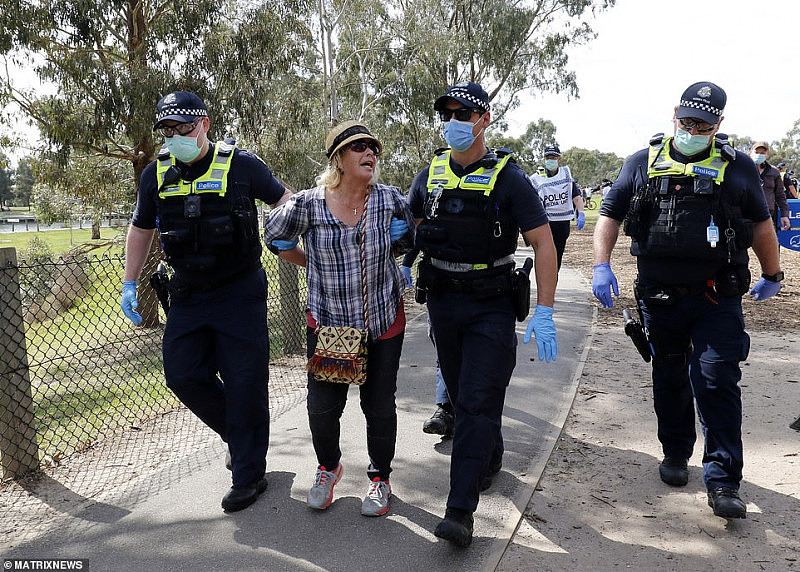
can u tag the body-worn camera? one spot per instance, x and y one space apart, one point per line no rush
191 206
703 185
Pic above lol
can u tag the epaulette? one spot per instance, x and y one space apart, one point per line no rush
723 144
503 151
656 139
226 147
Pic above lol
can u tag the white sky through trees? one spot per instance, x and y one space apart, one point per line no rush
648 51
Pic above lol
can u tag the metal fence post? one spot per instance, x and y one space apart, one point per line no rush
19 452
291 310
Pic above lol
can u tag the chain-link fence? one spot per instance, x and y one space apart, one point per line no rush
73 369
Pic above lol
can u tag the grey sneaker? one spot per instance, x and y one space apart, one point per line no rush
321 493
376 502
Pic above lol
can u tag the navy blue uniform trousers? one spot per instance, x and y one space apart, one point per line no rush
477 348
699 341
224 331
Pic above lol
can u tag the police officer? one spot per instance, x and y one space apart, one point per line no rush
200 196
788 183
561 196
470 204
692 207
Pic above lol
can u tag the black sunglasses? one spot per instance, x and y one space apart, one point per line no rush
362 144
180 129
461 114
701 126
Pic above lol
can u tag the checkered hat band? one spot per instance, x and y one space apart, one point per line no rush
701 106
180 111
463 94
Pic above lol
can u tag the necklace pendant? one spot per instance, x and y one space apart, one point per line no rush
355 211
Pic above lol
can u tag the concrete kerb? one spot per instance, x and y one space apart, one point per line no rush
524 495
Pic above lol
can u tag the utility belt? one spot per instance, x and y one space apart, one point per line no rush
512 282
668 295
465 266
729 281
479 287
180 288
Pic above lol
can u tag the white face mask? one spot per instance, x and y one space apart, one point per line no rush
689 144
184 148
758 158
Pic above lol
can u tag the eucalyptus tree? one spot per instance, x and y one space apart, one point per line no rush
529 147
23 182
590 167
91 185
6 182
110 61
508 46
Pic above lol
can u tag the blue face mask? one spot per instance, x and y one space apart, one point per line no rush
551 164
689 144
184 149
458 134
758 158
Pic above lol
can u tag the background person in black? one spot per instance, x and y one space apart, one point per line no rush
690 298
217 321
772 184
475 328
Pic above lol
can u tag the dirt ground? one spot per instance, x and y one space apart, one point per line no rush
600 504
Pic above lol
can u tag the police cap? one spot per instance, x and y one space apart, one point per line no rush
703 100
183 106
469 93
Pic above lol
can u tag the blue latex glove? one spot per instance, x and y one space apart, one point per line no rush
581 221
603 279
542 327
764 289
397 228
285 244
407 275
129 302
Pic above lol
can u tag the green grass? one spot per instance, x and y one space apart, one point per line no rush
60 240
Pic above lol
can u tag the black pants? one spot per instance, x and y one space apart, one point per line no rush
560 231
699 342
326 403
225 331
477 348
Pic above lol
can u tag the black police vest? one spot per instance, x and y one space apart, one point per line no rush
462 222
671 215
205 232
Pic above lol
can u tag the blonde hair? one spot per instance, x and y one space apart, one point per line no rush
331 176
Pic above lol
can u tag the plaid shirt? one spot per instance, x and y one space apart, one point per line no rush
333 257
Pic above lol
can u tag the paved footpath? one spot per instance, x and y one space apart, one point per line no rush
177 523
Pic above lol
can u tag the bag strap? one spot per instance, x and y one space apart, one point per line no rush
363 233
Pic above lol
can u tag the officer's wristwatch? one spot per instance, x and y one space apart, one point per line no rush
777 277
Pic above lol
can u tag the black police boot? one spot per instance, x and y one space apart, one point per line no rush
491 472
242 497
228 462
456 527
795 425
726 503
674 472
442 422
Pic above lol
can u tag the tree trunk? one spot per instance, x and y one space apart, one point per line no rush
95 230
